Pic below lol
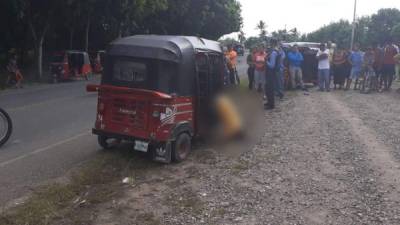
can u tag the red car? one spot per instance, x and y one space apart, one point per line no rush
156 92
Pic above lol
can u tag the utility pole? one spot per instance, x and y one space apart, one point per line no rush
353 32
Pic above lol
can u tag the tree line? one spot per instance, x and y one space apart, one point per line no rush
378 28
41 26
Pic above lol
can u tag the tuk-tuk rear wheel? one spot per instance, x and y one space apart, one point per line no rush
108 143
181 147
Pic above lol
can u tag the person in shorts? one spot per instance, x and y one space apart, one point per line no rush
356 61
259 73
368 69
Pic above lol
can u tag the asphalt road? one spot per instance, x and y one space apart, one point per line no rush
51 134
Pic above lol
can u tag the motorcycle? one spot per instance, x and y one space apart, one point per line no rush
5 127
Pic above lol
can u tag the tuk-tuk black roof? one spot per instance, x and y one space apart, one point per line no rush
162 47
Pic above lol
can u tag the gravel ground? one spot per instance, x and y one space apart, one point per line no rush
324 158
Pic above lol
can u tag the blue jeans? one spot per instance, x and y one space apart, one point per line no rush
279 84
324 79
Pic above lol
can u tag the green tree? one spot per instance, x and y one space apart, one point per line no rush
205 18
338 32
396 33
253 42
38 14
241 37
262 28
382 23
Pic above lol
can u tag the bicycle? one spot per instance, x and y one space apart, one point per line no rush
5 127
369 82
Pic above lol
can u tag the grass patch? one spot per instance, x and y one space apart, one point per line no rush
91 184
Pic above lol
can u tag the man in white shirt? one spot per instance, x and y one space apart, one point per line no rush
323 68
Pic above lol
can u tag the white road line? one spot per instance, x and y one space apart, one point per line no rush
44 149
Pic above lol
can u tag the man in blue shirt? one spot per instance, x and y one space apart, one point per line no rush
273 67
356 59
295 61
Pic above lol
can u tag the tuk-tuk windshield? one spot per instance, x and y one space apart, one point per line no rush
153 75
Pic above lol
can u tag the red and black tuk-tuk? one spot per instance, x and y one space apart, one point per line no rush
157 92
69 65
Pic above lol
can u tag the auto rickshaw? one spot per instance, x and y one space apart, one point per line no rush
310 64
70 65
157 92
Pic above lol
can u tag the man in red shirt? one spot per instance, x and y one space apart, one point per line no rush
259 74
388 67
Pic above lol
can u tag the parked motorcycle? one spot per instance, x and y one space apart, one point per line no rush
5 127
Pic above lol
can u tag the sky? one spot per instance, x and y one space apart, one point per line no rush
305 15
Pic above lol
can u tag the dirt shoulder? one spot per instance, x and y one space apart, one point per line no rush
319 159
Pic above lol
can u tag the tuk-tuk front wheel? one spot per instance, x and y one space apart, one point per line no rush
181 147
108 143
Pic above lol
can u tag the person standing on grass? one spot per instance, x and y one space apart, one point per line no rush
339 68
323 68
388 67
259 73
356 61
296 73
251 69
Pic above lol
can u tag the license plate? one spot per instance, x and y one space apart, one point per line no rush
141 146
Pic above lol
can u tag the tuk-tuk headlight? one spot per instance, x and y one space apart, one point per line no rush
156 114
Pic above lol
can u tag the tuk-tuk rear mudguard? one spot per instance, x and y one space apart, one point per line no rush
181 127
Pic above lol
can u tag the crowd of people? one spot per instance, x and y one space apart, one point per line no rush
377 67
374 69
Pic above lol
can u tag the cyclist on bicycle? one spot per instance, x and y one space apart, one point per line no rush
369 76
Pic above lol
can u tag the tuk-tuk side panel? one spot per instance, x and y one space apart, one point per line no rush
181 110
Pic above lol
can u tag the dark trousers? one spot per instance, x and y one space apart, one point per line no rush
234 76
270 81
387 76
250 74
